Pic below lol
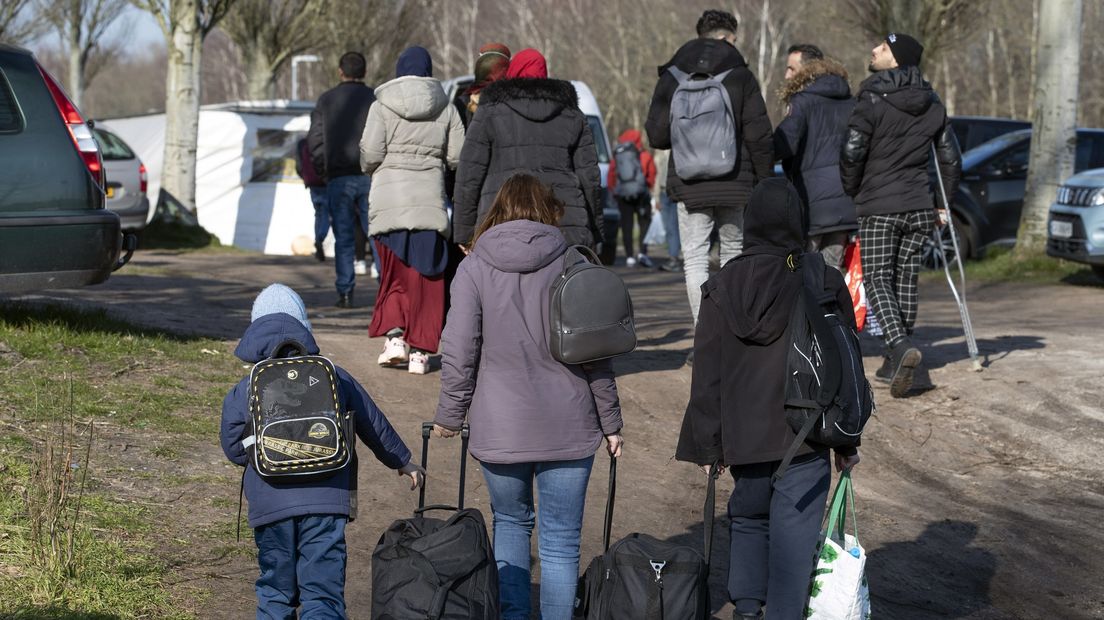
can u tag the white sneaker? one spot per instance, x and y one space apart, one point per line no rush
644 261
374 272
419 363
630 262
360 268
395 352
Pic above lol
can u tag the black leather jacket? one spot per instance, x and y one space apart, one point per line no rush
884 160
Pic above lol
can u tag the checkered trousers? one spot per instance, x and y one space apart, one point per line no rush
890 246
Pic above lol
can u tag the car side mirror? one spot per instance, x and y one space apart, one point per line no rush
1012 170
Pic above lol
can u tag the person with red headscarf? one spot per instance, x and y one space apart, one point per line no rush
530 123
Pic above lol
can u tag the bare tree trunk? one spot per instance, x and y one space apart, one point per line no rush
949 89
1009 75
76 57
1054 138
182 93
991 70
260 79
1033 58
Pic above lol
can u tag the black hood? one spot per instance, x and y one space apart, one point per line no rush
831 86
537 99
755 293
710 56
904 88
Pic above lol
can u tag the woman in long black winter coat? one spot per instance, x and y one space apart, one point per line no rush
532 124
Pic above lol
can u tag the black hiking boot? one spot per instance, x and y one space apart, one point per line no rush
344 300
672 265
885 373
903 360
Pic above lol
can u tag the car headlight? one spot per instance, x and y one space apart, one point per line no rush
1097 198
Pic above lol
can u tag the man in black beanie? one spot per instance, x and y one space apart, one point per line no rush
884 167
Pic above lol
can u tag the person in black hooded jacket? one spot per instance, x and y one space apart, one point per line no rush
884 166
818 106
717 203
532 124
736 414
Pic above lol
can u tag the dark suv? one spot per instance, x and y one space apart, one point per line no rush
54 229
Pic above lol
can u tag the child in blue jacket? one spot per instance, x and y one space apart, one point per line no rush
299 527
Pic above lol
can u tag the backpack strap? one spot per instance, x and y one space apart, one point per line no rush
816 300
798 441
679 75
581 251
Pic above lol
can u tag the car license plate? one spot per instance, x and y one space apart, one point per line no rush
1060 229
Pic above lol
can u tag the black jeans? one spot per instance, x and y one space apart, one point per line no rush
641 208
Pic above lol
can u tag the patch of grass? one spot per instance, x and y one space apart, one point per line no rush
130 375
1000 265
113 573
173 235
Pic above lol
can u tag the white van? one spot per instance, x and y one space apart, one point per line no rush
589 106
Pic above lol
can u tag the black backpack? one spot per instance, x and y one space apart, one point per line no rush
299 427
643 578
436 569
828 399
630 172
591 313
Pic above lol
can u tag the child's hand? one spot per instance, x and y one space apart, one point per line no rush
442 432
416 473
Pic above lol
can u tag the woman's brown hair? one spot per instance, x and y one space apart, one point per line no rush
522 197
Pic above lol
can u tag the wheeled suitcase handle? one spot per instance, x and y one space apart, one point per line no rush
427 430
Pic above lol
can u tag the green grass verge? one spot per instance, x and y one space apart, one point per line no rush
58 362
137 377
1000 265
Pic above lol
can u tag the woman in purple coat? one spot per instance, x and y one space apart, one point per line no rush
532 419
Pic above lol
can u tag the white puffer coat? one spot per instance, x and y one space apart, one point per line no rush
411 134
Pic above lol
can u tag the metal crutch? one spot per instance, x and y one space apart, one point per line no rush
960 299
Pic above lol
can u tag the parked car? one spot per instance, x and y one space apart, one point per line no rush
54 229
126 181
1075 227
989 199
973 131
589 106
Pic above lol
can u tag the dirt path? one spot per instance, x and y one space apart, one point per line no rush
979 499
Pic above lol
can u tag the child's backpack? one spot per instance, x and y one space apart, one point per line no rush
299 427
591 313
704 144
828 399
630 173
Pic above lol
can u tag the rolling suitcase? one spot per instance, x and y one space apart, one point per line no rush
436 569
643 578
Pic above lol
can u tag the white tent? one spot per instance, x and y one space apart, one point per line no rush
247 191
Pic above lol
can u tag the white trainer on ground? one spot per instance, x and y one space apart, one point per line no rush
360 267
419 363
395 352
630 262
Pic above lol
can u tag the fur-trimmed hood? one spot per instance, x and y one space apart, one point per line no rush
534 98
825 77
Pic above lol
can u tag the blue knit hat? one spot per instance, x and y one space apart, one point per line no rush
280 298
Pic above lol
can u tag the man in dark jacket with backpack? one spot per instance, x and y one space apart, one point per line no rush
818 105
736 416
884 166
710 200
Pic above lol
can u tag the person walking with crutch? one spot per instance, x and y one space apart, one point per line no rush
884 167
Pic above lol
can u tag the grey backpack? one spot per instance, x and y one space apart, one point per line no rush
704 144
630 173
591 314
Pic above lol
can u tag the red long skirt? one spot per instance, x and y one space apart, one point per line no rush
409 301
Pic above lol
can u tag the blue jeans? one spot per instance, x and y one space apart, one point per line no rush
561 488
348 199
302 561
321 213
773 532
669 213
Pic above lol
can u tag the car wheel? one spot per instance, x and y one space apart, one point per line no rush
930 254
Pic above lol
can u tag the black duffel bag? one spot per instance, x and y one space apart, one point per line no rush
436 569
643 578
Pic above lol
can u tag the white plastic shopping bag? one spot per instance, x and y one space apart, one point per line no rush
657 234
839 590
